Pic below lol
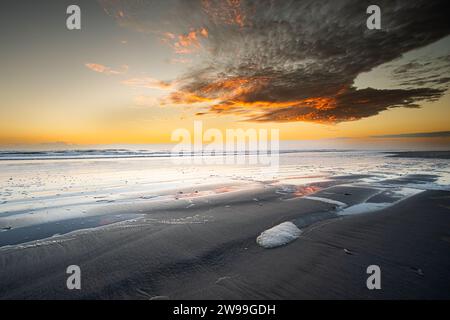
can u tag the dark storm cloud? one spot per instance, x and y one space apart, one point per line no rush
295 60
354 105
433 71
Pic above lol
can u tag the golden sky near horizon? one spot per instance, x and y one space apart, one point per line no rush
115 81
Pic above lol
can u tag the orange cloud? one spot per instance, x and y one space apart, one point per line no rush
256 110
219 92
238 96
204 32
106 70
186 43
149 83
228 96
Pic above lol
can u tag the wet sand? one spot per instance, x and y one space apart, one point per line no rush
209 251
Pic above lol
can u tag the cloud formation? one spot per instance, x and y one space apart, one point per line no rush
427 71
147 82
293 60
186 43
106 70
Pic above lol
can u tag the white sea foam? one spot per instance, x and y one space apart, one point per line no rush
279 235
364 208
429 186
407 192
330 201
367 207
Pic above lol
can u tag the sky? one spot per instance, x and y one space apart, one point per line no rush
138 70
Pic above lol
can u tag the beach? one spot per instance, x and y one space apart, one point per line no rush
308 236
233 150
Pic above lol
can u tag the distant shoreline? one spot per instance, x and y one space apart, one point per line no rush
94 154
420 154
